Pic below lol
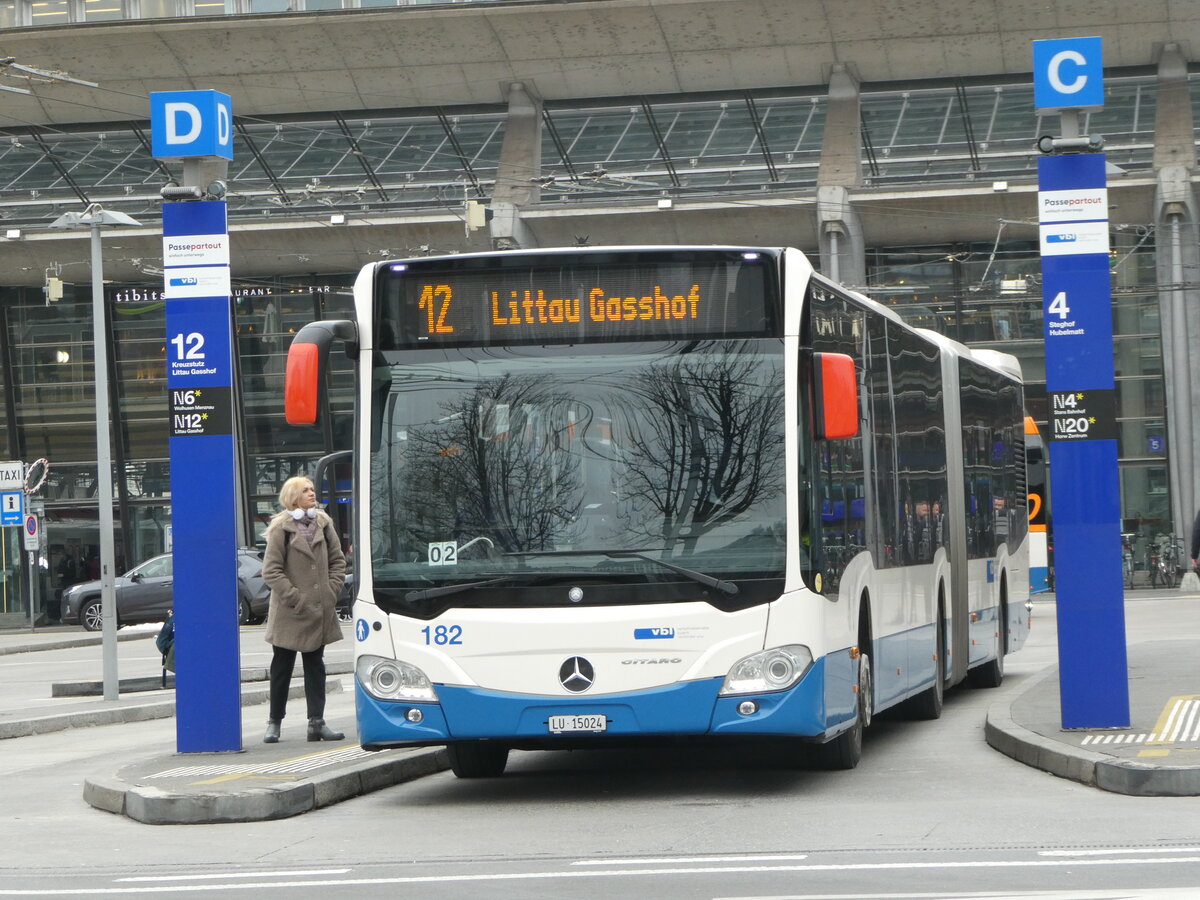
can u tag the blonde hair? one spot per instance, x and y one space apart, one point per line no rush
289 494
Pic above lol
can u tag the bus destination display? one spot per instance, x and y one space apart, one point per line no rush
442 304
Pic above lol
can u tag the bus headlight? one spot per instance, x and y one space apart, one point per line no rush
391 679
771 670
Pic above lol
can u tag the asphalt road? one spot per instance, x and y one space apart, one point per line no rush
931 812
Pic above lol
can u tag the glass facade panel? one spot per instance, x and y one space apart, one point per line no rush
54 380
50 12
13 592
387 159
948 133
102 10
150 9
159 9
51 350
310 165
710 145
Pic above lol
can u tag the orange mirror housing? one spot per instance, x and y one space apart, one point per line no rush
835 396
301 384
307 359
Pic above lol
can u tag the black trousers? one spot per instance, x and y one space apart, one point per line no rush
282 665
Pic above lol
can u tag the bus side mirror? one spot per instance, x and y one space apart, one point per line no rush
835 396
307 361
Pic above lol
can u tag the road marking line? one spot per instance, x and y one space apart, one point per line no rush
1178 709
213 875
1117 850
1142 894
687 859
601 873
1178 723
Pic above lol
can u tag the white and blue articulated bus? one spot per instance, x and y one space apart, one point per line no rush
614 494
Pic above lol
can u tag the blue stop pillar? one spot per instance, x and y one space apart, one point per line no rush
1085 494
196 125
1085 490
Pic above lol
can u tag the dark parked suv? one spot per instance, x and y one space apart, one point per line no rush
144 593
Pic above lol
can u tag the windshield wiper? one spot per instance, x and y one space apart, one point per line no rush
447 589
725 587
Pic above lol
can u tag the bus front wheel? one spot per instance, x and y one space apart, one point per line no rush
477 759
845 750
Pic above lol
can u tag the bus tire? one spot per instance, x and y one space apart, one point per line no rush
928 703
477 759
991 673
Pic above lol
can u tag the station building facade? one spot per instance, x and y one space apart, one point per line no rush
912 181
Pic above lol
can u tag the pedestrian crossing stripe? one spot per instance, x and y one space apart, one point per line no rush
1179 723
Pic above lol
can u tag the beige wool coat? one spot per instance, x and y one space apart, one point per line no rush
305 582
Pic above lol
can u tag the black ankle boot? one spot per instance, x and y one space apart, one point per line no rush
319 731
272 735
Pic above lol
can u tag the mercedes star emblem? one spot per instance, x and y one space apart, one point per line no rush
576 674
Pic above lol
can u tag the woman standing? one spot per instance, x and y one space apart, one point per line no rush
305 568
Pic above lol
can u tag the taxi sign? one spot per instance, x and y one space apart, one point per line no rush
12 475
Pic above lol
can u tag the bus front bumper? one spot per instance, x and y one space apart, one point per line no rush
688 708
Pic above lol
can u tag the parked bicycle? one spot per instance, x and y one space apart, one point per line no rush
1127 539
1162 560
1177 559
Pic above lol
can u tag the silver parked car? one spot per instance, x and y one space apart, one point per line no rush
144 593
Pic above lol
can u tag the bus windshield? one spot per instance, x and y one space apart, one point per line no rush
640 465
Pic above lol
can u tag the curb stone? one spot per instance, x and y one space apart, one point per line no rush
1120 776
155 806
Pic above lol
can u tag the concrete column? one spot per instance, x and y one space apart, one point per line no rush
843 253
1177 259
839 231
520 165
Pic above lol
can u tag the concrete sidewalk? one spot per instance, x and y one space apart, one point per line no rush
80 704
259 782
61 637
1158 755
264 781
1155 756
